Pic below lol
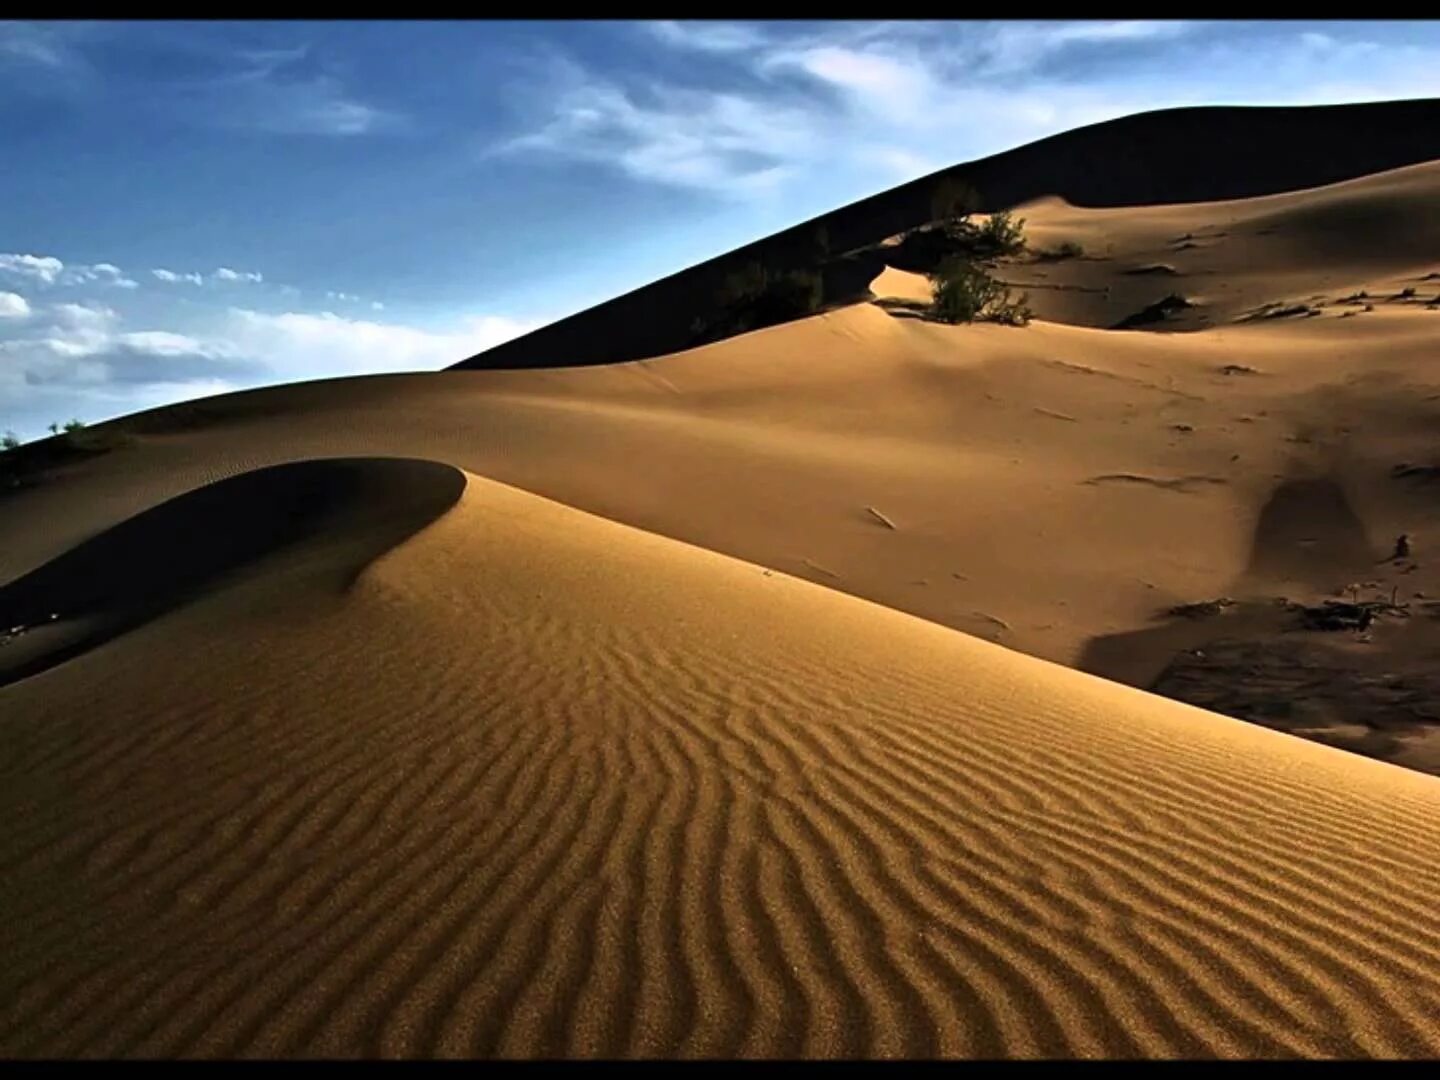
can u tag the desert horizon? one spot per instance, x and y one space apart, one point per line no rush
996 619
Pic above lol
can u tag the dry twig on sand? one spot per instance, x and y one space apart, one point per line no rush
881 517
991 618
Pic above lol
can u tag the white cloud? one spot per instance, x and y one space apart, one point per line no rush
32 43
227 274
83 349
74 330
13 306
1020 45
165 343
731 143
318 345
43 268
852 106
899 88
347 297
173 276
48 270
887 101
99 273
376 305
81 359
707 36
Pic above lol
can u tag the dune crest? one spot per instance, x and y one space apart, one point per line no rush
333 514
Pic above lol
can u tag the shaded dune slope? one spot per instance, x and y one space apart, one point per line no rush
330 515
1182 155
538 783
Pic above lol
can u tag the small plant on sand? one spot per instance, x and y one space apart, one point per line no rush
73 426
962 292
1066 249
1002 234
8 441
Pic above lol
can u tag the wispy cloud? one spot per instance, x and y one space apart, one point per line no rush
225 273
101 273
32 44
173 277
884 98
715 37
195 77
289 92
674 135
775 105
222 275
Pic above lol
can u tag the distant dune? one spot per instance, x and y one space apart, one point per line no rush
1188 155
641 709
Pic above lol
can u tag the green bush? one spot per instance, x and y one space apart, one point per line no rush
1002 234
74 426
8 441
753 297
964 292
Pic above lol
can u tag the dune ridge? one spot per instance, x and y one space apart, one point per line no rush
537 783
1200 154
334 514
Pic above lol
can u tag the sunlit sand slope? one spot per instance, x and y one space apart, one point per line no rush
535 783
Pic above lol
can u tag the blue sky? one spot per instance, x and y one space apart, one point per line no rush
189 208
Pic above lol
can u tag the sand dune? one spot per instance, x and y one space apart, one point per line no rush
539 783
1169 156
1055 489
642 709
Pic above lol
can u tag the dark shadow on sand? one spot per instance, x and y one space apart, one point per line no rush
346 512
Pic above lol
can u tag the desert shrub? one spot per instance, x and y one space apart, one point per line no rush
8 441
1002 234
54 428
793 294
1010 311
770 297
1066 249
964 292
753 297
73 426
